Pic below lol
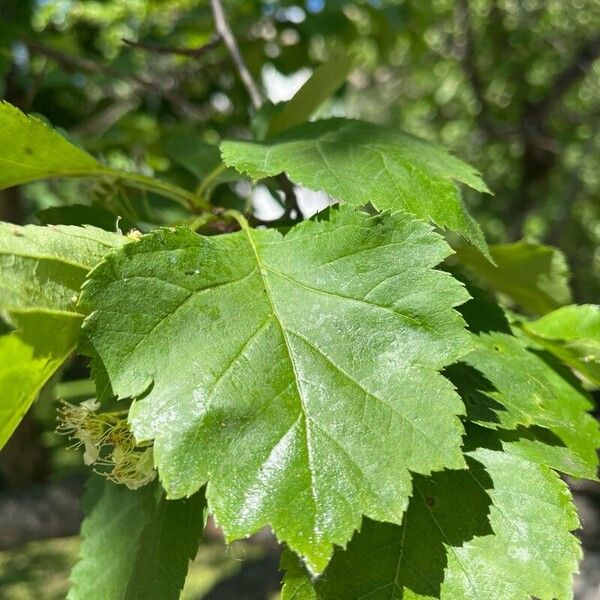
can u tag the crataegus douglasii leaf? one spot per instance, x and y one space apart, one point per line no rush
572 334
505 385
136 544
32 150
498 530
358 163
534 276
41 272
297 374
320 86
44 267
29 356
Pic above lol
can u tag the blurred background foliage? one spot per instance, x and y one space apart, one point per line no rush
509 85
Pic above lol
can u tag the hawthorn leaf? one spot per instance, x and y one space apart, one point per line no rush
41 272
532 551
359 162
32 150
506 385
324 82
29 356
136 544
44 267
500 529
572 334
534 276
297 374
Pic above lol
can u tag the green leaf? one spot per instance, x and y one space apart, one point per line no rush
506 385
136 544
320 86
30 150
28 358
297 374
44 267
572 334
359 162
41 272
454 545
532 552
532 275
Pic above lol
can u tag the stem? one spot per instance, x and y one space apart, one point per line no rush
188 52
205 183
226 34
150 184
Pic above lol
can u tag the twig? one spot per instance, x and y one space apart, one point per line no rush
224 30
75 63
466 54
291 202
226 34
569 76
188 52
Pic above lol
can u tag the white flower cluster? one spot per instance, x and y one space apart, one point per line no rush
108 443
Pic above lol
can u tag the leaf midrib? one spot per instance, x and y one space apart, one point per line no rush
261 271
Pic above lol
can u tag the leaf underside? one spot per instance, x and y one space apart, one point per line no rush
534 276
42 270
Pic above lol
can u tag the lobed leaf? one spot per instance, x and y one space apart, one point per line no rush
32 150
136 544
41 272
297 374
359 162
534 276
505 385
44 267
476 533
572 334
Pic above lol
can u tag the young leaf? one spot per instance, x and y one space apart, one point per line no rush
28 358
506 385
320 86
297 374
136 545
572 334
534 276
359 162
453 544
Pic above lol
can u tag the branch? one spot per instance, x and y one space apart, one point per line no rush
188 52
224 30
75 63
226 34
568 77
467 53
